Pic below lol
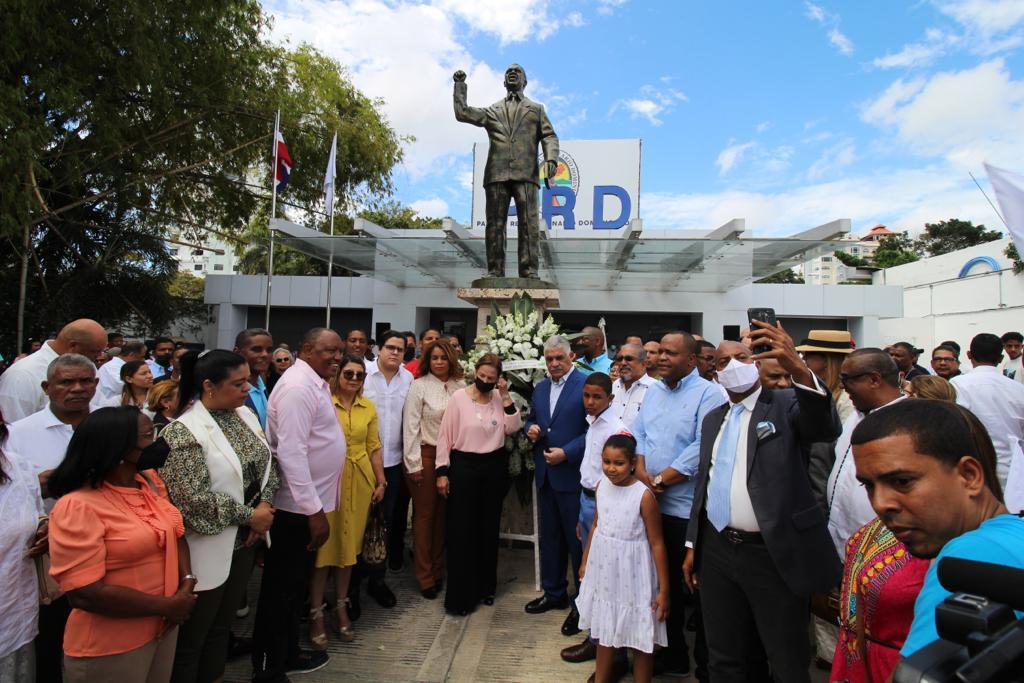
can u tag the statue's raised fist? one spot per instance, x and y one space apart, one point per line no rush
460 76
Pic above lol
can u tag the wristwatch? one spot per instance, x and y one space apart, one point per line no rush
191 577
657 481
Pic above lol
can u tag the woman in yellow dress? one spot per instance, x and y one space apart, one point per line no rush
362 483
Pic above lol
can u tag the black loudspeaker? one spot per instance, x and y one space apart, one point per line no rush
730 333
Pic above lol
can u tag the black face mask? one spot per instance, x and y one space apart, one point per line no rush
410 353
484 387
153 456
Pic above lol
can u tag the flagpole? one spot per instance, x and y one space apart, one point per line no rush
270 223
329 200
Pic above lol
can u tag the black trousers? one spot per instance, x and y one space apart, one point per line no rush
478 483
677 654
739 587
202 650
286 569
396 516
498 196
49 641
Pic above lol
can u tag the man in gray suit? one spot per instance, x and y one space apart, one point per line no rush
515 126
757 537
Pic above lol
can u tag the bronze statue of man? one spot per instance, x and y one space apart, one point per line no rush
515 126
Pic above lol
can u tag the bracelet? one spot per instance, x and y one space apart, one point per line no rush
382 484
193 577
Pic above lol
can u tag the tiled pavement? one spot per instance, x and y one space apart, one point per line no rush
416 641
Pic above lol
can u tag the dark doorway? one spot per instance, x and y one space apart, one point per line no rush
619 325
290 324
458 321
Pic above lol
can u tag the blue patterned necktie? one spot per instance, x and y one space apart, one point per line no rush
722 473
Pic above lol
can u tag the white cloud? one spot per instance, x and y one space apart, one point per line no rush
912 55
904 199
815 12
435 207
763 126
986 17
837 38
607 7
965 116
840 41
651 103
511 22
832 159
729 156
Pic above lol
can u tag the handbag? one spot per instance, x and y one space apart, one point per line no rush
375 540
49 591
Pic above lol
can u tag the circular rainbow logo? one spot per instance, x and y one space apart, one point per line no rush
566 175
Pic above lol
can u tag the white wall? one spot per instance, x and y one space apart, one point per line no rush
937 305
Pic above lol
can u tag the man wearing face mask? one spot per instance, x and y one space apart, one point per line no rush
757 537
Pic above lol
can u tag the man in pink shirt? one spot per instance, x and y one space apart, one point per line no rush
309 448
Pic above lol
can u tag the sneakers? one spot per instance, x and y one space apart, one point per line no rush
308 661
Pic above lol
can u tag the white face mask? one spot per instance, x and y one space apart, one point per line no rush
737 377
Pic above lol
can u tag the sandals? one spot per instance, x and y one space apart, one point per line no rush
317 632
345 633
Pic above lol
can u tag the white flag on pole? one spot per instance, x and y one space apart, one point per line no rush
1009 189
329 177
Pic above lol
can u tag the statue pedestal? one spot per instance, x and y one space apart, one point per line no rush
483 297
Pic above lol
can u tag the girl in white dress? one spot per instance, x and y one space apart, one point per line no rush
623 597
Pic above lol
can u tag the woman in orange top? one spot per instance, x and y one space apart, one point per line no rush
117 549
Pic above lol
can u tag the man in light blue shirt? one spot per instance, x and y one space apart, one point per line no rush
256 345
930 471
667 431
593 357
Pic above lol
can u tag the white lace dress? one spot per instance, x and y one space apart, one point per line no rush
621 582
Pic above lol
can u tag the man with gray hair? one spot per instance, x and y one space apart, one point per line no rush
629 389
41 439
557 428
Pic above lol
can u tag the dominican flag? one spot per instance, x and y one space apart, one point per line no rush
284 162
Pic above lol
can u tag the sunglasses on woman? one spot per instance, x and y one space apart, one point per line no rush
353 375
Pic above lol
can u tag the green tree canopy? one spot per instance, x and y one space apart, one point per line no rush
783 277
895 250
124 120
951 235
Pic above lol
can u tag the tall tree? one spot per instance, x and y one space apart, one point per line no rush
952 235
895 250
121 120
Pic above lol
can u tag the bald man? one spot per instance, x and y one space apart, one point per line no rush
592 357
21 387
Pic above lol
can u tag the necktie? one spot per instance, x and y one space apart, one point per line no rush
721 475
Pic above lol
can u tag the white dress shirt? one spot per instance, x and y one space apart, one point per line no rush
110 384
389 399
741 508
40 440
627 402
556 389
601 427
848 505
998 402
21 391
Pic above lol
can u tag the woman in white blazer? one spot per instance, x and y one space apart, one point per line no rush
221 476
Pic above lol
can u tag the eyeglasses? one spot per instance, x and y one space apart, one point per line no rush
626 359
394 349
844 378
281 360
353 374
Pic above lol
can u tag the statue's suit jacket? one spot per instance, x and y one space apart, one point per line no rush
512 154
792 523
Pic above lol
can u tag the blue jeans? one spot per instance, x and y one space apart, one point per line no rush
588 508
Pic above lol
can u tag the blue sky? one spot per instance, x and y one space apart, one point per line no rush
787 114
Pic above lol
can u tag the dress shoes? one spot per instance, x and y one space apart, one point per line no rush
544 603
429 593
354 609
571 625
380 592
584 652
619 671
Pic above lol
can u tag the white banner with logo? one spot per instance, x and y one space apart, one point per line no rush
596 186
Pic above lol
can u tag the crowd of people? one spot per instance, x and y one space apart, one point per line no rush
728 491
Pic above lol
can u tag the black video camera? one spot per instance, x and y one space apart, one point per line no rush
980 638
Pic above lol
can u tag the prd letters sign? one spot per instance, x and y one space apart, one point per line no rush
596 186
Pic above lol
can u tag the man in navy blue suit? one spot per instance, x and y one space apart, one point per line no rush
557 427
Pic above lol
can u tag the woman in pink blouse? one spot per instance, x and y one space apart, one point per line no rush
472 473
